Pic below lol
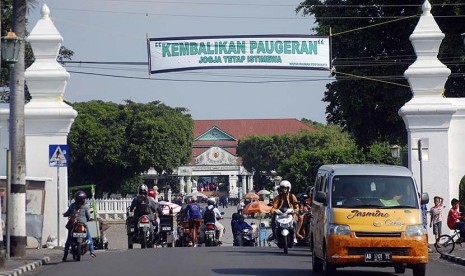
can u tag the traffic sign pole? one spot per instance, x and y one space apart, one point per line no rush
58 157
58 204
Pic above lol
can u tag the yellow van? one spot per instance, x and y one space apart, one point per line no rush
367 215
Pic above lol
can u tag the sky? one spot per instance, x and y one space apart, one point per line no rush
116 31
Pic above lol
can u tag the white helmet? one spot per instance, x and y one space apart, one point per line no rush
211 201
286 184
142 189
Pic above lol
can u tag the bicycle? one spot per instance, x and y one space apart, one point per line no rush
445 244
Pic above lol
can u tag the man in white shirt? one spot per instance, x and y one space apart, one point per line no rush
215 215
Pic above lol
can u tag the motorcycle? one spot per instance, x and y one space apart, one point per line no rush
142 232
284 229
166 235
184 236
79 243
246 238
211 235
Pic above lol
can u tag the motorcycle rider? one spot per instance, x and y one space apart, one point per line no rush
211 205
285 199
238 226
194 217
140 207
79 210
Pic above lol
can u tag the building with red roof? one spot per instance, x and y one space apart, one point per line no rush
214 150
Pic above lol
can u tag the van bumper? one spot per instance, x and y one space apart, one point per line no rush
350 251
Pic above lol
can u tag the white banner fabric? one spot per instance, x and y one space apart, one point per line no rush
264 51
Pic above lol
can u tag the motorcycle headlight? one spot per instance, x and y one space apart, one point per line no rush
415 230
339 229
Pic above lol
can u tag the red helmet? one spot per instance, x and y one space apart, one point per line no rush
151 193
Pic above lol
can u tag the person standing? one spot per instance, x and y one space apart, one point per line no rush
436 216
194 217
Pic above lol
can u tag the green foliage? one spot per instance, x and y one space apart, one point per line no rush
462 193
111 145
297 157
365 107
130 185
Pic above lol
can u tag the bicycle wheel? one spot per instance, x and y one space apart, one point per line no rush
445 244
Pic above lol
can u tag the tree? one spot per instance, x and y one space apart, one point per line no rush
367 107
111 145
327 145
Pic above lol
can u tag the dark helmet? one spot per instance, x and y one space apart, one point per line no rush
80 197
143 189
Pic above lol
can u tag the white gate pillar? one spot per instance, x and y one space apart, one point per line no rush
428 114
250 182
182 185
189 184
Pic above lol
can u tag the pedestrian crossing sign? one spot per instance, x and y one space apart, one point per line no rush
58 155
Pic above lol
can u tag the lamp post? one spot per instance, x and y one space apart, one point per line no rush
10 47
395 151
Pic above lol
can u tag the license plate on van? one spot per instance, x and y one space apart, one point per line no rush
378 257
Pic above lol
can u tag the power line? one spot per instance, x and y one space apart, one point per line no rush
280 5
255 17
202 81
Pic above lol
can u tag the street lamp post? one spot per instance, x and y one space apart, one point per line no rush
10 47
395 151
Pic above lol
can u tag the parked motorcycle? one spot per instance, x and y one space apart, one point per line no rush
284 230
79 244
142 232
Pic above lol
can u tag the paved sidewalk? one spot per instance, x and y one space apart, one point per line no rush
457 256
34 258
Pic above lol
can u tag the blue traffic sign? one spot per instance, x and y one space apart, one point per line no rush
58 155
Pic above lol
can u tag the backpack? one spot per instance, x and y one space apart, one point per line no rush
209 215
142 205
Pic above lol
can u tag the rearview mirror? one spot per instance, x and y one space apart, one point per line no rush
321 197
424 199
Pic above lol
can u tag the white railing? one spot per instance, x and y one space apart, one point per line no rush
112 209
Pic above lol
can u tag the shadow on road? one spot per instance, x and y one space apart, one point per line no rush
293 272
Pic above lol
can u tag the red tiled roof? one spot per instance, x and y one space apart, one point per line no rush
239 128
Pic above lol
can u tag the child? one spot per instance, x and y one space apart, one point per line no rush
436 216
455 220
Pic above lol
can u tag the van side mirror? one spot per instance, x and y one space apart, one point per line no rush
321 197
424 199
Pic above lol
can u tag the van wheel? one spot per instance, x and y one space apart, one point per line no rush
399 269
328 269
317 263
419 270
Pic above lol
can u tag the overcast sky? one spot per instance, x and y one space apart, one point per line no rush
116 31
